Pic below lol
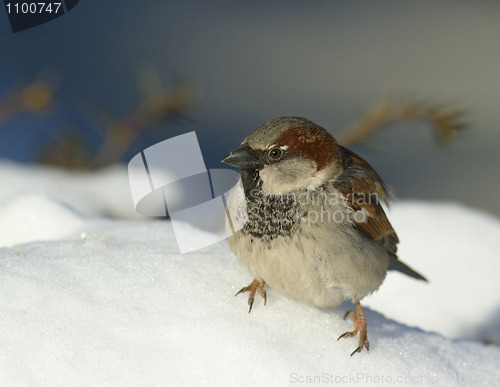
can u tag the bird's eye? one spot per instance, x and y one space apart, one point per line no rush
275 153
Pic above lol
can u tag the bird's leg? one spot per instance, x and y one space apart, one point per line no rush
253 288
359 322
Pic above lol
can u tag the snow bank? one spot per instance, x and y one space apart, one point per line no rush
100 193
457 249
34 218
96 301
120 306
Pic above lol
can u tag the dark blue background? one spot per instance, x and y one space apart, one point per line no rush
248 62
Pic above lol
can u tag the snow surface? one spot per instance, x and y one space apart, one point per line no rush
105 192
87 300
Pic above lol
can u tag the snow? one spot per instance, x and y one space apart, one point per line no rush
87 300
456 248
32 217
105 192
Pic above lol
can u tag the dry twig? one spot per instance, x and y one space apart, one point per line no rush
445 121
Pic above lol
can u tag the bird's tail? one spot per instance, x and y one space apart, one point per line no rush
396 264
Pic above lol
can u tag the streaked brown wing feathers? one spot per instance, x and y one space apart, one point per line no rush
364 190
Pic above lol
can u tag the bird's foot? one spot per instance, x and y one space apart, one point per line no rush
360 326
253 288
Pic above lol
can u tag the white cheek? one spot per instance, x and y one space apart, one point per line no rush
270 184
282 178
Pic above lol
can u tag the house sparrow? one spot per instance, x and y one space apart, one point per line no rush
315 229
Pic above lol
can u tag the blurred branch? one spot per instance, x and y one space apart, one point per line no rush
119 135
445 121
38 97
122 134
71 151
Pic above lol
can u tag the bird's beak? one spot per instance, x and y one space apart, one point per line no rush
241 158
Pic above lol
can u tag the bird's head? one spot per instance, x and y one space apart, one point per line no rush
288 153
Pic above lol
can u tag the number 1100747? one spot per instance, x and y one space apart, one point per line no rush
34 7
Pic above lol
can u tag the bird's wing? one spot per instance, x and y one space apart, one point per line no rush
365 190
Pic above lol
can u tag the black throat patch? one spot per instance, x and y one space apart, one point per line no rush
269 216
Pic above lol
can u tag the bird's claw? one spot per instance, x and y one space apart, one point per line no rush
242 290
360 348
360 325
250 303
346 334
348 313
253 288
